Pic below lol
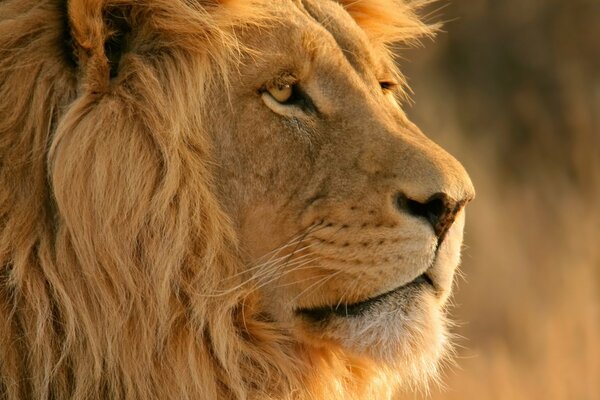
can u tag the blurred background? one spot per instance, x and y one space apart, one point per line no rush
512 89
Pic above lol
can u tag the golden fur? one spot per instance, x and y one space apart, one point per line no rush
122 244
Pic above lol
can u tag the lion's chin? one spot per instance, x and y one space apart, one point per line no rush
403 328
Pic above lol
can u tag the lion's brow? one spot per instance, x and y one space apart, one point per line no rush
351 46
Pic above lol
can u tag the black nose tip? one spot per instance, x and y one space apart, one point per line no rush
440 210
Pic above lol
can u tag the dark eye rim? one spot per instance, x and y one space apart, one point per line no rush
299 98
388 85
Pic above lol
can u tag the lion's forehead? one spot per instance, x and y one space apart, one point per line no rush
346 34
360 53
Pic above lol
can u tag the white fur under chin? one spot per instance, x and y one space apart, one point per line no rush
406 334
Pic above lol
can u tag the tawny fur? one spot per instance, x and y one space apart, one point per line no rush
107 259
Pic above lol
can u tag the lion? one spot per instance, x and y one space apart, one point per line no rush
219 199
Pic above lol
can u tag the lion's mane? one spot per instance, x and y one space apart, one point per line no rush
110 261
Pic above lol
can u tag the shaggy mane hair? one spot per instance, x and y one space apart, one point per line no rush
110 261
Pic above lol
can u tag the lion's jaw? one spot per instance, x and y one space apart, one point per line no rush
337 260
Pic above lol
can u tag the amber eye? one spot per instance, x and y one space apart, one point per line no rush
288 95
281 93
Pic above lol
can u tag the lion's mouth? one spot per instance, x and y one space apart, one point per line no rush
320 314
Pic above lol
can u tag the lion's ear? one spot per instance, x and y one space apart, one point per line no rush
390 21
100 36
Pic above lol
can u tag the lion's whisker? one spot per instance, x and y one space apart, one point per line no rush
297 265
294 241
287 244
271 265
304 236
269 268
277 263
349 289
267 263
298 281
273 279
274 268
319 283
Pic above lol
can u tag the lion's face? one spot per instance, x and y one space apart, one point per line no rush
175 223
350 217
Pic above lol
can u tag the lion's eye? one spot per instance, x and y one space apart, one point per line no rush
388 86
288 95
281 93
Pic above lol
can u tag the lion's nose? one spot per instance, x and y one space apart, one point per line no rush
439 210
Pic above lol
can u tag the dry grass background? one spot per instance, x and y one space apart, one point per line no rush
512 88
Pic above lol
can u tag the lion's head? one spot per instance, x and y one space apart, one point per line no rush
218 199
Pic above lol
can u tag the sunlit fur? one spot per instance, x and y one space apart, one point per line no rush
108 259
389 21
